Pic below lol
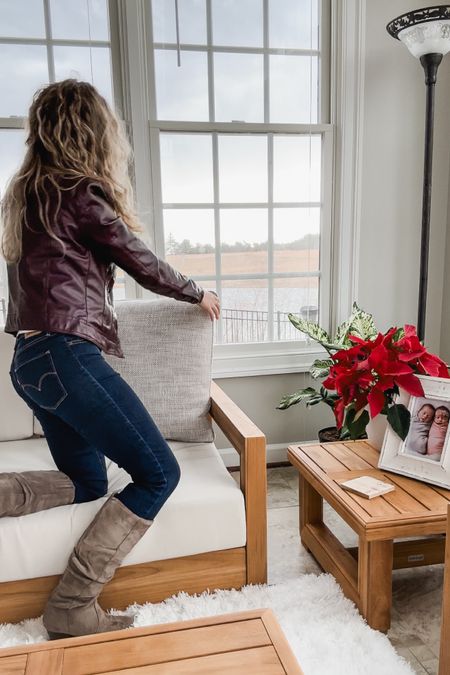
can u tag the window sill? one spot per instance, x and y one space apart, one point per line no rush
261 358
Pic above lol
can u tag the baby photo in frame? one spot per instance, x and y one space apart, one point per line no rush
428 433
425 452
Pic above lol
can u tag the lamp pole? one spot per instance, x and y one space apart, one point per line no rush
426 33
430 63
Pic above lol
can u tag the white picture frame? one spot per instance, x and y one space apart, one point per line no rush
407 457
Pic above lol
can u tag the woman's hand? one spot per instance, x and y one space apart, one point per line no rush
211 304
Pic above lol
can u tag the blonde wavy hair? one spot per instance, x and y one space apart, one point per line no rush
72 134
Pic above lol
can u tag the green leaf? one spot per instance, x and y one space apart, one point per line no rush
355 424
398 335
349 417
359 323
399 418
362 324
315 400
313 330
342 333
358 428
344 434
329 397
300 396
321 368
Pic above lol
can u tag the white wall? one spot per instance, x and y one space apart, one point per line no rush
389 219
392 172
258 396
445 326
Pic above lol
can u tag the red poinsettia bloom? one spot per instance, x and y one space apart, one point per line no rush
363 374
339 412
376 396
411 349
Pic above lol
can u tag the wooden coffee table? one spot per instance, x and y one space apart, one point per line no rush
413 509
246 642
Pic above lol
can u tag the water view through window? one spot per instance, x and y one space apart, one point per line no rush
241 207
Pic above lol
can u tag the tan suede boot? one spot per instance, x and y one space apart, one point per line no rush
72 608
30 491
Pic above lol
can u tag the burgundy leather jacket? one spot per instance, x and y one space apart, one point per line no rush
72 292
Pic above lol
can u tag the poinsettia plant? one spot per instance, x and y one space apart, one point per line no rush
364 372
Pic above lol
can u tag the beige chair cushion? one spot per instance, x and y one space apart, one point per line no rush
16 418
206 512
168 359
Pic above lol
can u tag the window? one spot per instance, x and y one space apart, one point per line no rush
234 183
40 42
241 156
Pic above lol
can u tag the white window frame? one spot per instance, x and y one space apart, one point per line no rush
342 148
229 359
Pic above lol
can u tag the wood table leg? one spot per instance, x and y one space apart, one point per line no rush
375 582
311 504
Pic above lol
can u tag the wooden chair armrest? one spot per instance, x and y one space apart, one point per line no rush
250 442
234 423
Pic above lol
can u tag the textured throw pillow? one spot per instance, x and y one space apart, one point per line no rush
168 348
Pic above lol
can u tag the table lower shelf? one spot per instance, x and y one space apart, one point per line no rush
365 572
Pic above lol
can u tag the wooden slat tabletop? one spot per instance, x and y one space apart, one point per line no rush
251 641
413 504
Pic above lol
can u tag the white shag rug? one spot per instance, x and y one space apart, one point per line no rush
324 629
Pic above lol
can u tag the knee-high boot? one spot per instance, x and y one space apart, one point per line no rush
72 608
30 491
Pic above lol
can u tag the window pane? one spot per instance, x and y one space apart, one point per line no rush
296 236
244 310
243 168
181 92
29 63
238 22
12 150
293 24
119 291
22 18
189 239
293 89
238 87
186 168
75 62
299 296
87 20
243 239
192 21
296 162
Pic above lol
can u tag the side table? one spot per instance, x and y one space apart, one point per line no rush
413 509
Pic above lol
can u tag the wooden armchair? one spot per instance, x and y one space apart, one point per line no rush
154 581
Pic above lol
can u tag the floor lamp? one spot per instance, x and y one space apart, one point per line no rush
426 33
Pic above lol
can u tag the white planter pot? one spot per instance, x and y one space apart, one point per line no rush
376 430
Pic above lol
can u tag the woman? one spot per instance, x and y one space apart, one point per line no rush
67 220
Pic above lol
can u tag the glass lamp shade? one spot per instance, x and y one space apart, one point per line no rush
423 31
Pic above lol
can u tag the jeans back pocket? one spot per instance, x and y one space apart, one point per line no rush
40 382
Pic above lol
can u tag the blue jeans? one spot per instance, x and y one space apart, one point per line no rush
87 412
